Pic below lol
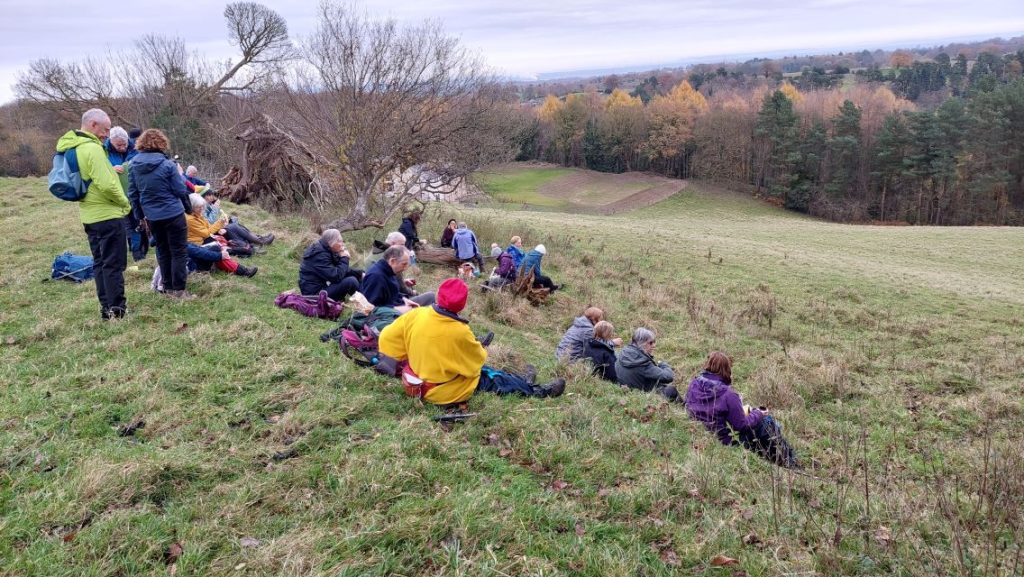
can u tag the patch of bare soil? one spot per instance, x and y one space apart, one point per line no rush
645 197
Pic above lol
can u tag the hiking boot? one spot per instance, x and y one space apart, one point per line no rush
486 340
246 271
530 374
266 239
554 389
181 295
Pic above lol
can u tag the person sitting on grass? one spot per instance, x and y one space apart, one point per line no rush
404 285
192 175
448 234
408 229
637 369
504 273
574 341
466 247
325 267
531 263
601 352
712 401
515 248
441 352
234 230
380 284
201 233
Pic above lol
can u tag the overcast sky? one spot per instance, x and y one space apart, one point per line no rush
525 38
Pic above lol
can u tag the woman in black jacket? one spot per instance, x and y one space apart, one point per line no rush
601 353
408 228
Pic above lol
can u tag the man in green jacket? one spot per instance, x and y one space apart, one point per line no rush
102 210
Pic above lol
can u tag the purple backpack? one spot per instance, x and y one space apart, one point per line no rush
320 306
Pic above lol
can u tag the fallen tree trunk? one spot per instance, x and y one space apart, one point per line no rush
436 255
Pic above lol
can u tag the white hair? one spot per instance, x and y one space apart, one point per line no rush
642 336
330 236
118 133
191 170
394 238
94 115
196 200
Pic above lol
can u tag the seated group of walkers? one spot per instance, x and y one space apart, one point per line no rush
432 347
438 357
710 398
512 262
188 229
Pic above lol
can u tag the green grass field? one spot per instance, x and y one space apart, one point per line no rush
893 356
520 186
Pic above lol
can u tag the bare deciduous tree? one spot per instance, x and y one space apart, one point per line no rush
389 111
159 74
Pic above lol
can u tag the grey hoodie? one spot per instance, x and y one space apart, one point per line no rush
573 345
637 370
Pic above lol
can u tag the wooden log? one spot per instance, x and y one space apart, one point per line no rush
436 255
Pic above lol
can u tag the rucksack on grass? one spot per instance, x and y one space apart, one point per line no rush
72 267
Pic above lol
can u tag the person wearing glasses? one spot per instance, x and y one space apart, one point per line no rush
637 369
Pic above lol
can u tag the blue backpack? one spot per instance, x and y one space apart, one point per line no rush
72 267
65 180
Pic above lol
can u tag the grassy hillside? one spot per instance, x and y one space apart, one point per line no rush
893 357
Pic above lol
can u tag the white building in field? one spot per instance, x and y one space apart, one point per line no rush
426 184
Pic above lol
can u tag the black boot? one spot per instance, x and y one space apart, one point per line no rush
553 389
246 271
486 339
530 374
266 239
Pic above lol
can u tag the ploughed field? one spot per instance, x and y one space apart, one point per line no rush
219 436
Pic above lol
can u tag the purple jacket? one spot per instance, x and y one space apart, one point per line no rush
713 402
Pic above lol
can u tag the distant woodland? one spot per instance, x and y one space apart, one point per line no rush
923 136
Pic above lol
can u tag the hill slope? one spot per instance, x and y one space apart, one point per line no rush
891 355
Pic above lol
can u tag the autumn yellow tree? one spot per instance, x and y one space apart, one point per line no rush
792 93
901 59
671 119
621 131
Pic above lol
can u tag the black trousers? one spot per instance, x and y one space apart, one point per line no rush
108 242
541 281
171 250
348 286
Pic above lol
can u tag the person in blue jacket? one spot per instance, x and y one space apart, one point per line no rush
515 248
531 263
119 148
160 200
191 175
466 247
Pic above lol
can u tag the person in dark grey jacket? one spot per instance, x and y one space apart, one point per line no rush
574 342
325 268
637 369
